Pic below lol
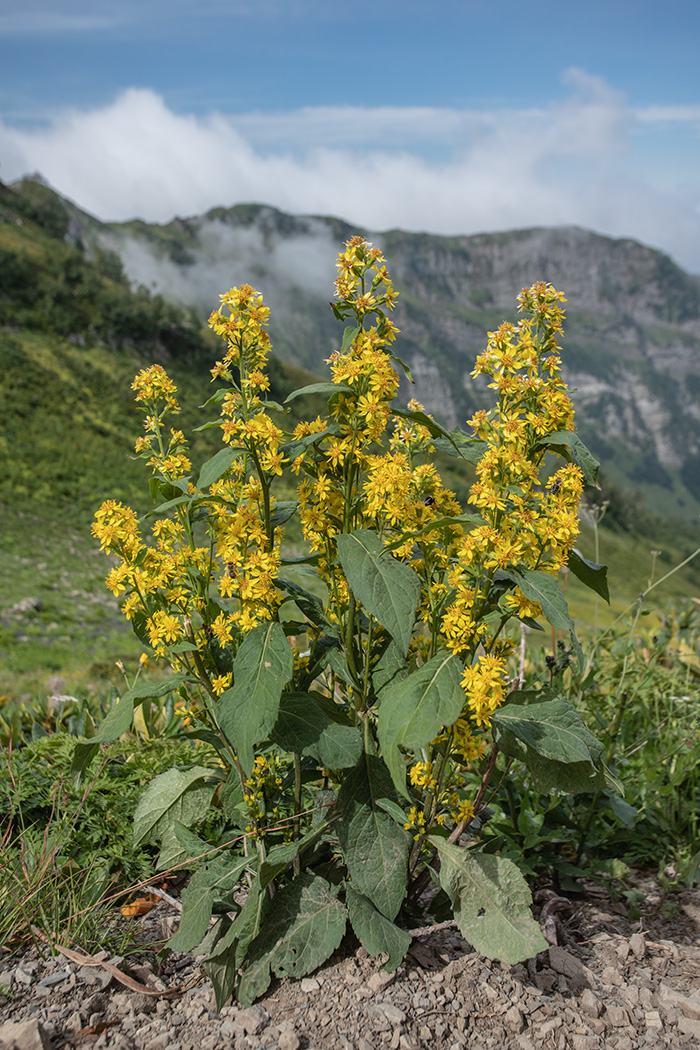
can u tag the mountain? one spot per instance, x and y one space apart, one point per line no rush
631 348
632 338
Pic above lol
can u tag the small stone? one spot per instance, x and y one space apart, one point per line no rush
638 945
617 1016
22 976
379 981
53 979
392 1013
611 976
591 1004
253 1020
142 1004
95 975
24 1035
514 1020
309 984
289 1041
689 1026
652 1019
585 1042
562 962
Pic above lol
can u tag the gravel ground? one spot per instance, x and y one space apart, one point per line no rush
608 983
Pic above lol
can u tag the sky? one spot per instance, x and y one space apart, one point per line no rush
449 116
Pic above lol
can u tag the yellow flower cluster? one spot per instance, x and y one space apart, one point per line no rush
261 787
525 524
246 544
156 391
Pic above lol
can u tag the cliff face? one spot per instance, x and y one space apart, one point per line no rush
632 337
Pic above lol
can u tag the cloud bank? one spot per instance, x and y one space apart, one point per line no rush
590 160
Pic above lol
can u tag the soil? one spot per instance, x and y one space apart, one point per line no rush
608 982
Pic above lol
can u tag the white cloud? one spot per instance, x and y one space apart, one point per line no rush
443 170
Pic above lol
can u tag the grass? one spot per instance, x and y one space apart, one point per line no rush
61 629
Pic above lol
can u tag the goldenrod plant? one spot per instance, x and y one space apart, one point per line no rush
357 720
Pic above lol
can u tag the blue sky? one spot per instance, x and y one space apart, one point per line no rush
455 116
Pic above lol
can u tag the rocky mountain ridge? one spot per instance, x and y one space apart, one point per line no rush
632 338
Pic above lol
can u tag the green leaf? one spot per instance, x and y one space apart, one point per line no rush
394 810
374 846
491 903
544 588
116 722
296 446
283 511
402 364
454 442
304 727
562 755
320 388
168 505
552 729
469 450
390 668
569 445
119 719
176 795
230 943
375 932
210 883
180 847
388 589
248 711
413 711
590 573
300 931
217 466
350 334
309 604
279 858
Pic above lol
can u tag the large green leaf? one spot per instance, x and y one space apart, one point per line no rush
375 932
491 903
549 737
388 589
413 711
305 727
217 466
569 445
374 846
590 573
208 884
181 795
248 711
552 729
305 925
